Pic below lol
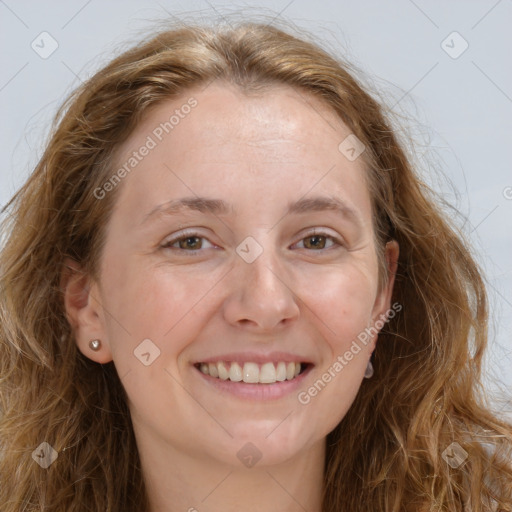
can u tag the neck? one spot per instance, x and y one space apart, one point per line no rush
179 482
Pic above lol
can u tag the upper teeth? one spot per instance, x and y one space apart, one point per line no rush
251 372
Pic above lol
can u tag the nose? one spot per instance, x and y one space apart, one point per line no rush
260 295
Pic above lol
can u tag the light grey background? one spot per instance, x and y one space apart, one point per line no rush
458 110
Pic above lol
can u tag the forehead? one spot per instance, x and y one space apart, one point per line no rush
280 142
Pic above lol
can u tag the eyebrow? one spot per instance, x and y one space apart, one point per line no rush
221 207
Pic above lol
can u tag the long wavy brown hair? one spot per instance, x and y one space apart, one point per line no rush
386 455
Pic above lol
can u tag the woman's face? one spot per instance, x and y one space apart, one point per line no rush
256 269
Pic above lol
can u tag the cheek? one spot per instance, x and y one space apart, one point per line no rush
153 317
155 303
341 300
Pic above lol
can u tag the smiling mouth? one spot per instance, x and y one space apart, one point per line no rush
253 373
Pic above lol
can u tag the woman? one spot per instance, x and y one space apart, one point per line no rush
224 286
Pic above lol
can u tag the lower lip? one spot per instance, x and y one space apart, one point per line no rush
256 391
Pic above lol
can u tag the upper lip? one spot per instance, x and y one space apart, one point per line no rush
256 357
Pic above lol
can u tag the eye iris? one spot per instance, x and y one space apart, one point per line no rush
316 237
184 242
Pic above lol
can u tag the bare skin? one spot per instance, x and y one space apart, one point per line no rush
306 294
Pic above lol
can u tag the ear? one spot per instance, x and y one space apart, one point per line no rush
383 301
84 311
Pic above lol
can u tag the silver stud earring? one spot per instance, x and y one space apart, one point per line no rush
368 374
95 345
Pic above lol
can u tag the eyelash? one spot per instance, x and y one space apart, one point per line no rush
194 252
